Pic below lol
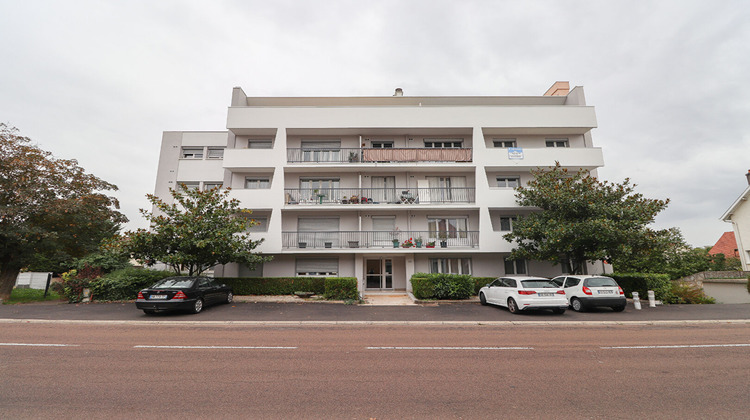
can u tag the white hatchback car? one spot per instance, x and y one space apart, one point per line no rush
524 293
591 291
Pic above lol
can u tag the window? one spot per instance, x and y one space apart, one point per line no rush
443 143
450 265
190 185
515 266
508 181
506 223
257 183
192 153
382 144
317 267
216 153
446 189
211 185
504 143
260 144
449 227
312 188
557 143
321 151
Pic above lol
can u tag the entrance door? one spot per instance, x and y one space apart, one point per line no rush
379 273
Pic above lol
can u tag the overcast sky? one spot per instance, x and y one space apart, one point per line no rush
99 81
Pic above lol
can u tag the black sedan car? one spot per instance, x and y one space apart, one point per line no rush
183 293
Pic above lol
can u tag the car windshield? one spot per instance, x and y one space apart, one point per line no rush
601 282
538 284
173 283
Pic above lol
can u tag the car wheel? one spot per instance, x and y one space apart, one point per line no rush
230 297
149 311
576 304
482 299
558 311
618 308
198 306
512 306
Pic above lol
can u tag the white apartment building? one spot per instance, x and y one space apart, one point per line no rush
333 181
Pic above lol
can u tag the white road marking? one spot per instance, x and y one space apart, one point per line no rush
450 348
217 347
687 346
39 345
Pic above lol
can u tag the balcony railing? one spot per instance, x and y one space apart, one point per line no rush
370 155
379 239
396 195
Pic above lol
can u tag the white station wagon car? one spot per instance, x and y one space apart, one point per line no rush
524 293
591 291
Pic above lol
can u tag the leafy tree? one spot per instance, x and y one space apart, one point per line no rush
199 230
51 211
581 218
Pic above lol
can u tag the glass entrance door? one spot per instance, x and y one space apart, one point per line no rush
379 273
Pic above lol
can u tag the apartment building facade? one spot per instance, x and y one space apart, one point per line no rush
379 188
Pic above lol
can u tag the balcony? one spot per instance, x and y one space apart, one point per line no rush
377 155
379 239
396 195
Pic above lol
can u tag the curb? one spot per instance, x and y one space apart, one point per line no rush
377 323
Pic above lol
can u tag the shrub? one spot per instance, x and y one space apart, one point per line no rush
341 288
274 285
480 282
643 282
442 286
684 292
74 281
125 283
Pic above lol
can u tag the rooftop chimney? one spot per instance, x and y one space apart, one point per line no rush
747 175
399 92
558 89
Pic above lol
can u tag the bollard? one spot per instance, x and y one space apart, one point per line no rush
651 299
636 301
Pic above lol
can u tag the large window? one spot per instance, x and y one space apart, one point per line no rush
446 189
257 183
448 227
321 151
557 143
313 188
515 266
450 265
508 181
443 143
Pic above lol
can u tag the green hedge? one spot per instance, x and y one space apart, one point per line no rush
275 285
125 283
480 282
442 286
643 282
341 288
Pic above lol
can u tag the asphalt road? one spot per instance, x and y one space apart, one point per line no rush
327 312
133 370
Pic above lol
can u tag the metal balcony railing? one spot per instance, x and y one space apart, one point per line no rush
388 155
380 239
396 195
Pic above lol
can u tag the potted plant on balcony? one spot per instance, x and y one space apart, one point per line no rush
353 157
394 235
354 199
418 242
320 195
443 239
408 243
430 244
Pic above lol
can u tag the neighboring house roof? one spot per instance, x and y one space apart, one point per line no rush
743 197
726 245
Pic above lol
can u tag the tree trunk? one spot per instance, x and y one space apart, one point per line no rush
8 277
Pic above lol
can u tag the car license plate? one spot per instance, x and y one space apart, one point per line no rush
546 294
605 292
162 297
